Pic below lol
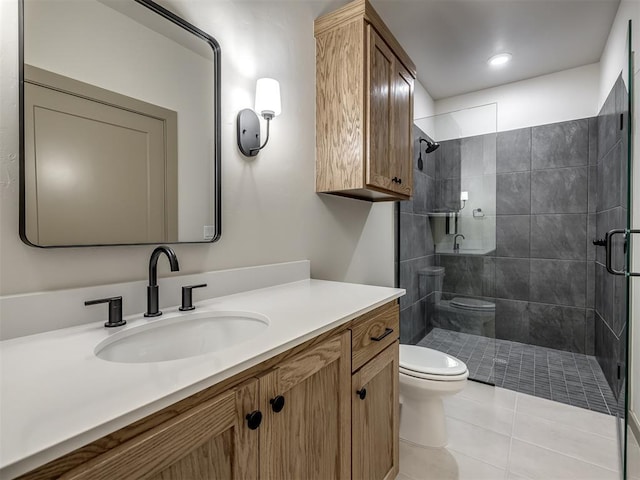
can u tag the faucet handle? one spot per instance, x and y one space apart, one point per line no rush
187 296
115 310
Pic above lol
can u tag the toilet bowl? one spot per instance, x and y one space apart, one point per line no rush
426 376
459 314
468 315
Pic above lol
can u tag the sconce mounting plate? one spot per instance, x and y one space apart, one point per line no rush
248 132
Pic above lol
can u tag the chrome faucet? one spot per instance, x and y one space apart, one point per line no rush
456 245
152 288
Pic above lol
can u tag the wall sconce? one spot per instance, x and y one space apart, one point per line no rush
268 105
464 197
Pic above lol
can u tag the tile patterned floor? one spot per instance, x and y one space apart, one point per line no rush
565 377
499 434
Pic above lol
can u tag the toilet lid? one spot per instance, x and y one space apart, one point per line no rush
472 303
425 360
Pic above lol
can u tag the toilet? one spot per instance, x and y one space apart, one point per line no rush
467 315
426 376
458 314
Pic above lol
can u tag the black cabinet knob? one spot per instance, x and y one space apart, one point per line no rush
362 393
254 419
277 404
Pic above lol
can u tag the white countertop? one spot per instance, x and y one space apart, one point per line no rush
56 395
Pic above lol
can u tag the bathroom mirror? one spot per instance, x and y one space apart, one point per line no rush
120 125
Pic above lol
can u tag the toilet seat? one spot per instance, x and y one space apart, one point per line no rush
429 364
474 304
435 378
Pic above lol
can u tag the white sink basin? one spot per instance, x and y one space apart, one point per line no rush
181 336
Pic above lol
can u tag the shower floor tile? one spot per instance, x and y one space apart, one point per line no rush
571 378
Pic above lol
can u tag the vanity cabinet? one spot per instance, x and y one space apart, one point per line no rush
310 436
209 441
364 107
375 416
313 424
375 395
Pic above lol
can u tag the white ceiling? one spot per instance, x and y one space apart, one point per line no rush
451 40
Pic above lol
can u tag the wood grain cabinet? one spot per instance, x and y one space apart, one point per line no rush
375 395
209 441
364 107
307 415
375 418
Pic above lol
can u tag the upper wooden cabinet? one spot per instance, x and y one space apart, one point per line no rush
364 107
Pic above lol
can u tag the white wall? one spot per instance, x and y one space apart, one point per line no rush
557 97
423 105
614 57
271 212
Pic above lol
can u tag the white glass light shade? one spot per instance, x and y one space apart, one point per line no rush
268 97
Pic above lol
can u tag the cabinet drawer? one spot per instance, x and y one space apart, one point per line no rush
374 335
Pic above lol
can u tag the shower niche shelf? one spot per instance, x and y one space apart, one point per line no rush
446 222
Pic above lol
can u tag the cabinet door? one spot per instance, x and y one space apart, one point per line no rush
379 123
211 441
310 436
375 418
389 128
402 130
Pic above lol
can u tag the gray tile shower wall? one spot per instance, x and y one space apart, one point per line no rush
448 175
416 246
541 275
558 187
611 212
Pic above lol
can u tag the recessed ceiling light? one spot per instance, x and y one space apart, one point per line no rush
499 59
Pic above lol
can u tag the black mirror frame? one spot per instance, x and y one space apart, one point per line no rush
215 46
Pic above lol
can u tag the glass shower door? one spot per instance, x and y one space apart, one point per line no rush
613 284
631 443
447 239
619 251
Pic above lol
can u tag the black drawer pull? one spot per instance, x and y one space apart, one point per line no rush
387 332
362 393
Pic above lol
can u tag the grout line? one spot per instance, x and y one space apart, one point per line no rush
508 469
481 460
565 425
568 456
